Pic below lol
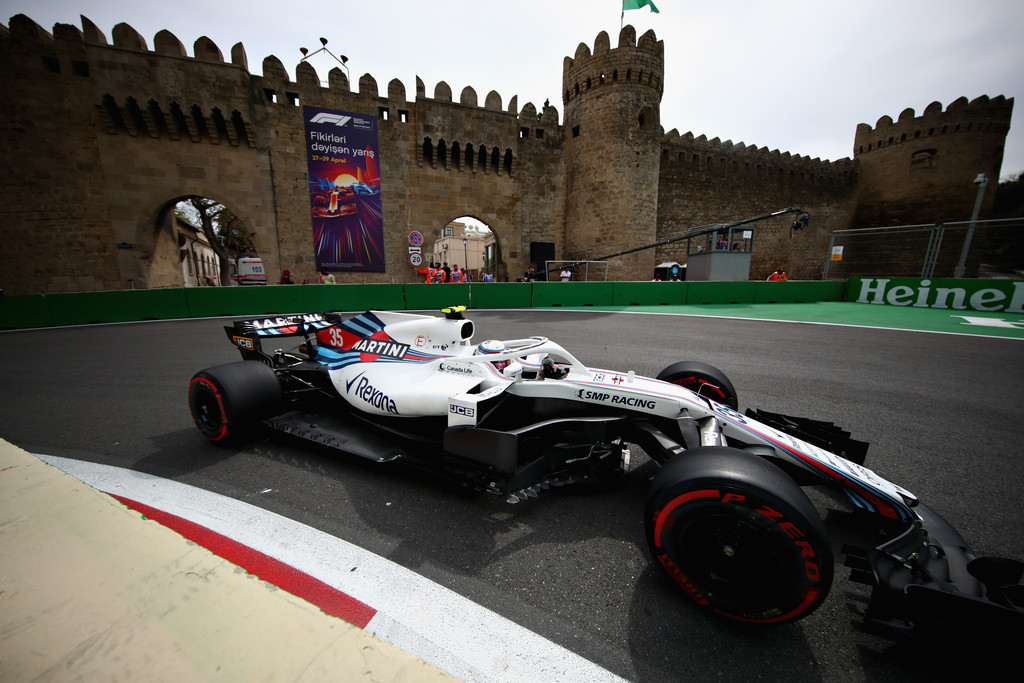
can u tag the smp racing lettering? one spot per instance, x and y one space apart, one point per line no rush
381 347
368 393
617 399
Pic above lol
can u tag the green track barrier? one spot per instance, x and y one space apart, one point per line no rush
425 296
701 293
790 292
382 297
27 310
501 295
79 308
257 300
548 294
649 293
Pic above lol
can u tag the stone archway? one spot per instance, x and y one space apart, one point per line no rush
469 243
171 248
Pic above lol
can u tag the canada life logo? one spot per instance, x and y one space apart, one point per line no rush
336 119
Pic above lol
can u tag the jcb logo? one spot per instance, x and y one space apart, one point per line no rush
336 119
244 343
461 410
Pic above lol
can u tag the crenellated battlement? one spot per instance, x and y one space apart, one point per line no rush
980 115
275 80
726 156
143 123
631 63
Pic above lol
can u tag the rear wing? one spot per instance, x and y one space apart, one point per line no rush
248 335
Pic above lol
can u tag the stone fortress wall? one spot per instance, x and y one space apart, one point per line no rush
904 163
99 140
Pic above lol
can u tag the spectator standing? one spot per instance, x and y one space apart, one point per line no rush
427 271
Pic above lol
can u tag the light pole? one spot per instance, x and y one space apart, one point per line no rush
982 182
465 252
343 60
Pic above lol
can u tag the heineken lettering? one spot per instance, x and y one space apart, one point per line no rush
975 295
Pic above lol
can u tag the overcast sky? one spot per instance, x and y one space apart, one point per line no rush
792 75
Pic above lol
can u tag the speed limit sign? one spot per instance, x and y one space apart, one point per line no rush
416 259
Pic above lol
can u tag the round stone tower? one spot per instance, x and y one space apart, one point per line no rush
613 137
921 169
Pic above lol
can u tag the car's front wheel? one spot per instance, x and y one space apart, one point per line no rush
228 401
738 536
703 379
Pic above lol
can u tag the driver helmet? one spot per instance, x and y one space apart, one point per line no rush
492 346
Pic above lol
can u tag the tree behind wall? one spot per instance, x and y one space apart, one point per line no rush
228 236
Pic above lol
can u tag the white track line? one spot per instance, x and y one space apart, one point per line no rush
413 613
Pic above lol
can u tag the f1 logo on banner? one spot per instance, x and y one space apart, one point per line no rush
344 190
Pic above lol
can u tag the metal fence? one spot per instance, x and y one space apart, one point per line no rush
582 271
993 248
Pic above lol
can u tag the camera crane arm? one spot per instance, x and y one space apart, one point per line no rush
799 223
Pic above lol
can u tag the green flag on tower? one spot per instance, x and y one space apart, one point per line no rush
639 4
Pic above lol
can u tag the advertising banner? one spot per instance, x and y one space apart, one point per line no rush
344 190
1006 296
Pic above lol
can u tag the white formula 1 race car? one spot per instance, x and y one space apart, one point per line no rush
726 518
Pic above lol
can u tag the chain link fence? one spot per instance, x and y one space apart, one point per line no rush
993 248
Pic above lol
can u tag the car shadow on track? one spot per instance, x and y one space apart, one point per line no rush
180 453
571 565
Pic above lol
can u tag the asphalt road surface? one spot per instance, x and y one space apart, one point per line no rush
942 413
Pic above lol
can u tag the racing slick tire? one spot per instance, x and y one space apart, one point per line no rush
738 536
703 379
228 401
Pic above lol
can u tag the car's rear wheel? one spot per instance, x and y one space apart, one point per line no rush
703 379
738 536
228 401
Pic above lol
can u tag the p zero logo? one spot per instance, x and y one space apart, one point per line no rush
243 343
336 119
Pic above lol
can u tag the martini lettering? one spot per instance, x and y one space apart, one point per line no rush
381 347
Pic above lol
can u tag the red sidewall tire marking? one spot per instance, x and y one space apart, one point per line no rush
810 585
220 404
679 500
704 384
